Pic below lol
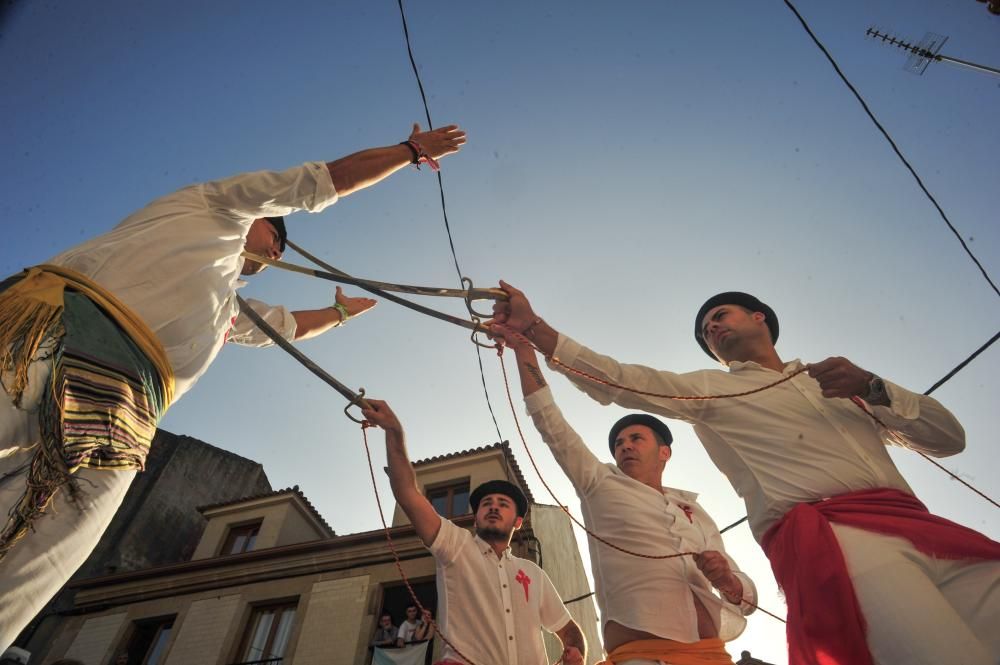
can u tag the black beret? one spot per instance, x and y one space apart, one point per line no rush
279 226
734 298
500 487
649 421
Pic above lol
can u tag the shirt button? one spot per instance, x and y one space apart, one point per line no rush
508 610
504 586
510 637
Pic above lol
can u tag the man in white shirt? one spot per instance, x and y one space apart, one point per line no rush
653 609
161 286
887 582
492 605
408 628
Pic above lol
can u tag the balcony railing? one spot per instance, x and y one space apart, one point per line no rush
269 661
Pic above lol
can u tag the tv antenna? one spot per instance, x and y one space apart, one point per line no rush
926 50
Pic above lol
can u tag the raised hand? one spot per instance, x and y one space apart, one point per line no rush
354 306
438 142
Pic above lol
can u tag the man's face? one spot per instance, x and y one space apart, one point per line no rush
728 330
496 517
411 614
263 240
386 621
637 452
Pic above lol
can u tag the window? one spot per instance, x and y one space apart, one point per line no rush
146 643
240 539
267 634
450 500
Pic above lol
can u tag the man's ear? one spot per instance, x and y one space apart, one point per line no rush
665 453
759 316
518 522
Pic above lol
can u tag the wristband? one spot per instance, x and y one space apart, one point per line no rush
421 156
416 153
343 313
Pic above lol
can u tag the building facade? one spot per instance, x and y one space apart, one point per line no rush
268 581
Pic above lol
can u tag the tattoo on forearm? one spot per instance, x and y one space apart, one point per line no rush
536 374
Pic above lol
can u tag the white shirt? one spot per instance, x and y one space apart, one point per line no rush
176 262
407 629
492 608
651 595
785 445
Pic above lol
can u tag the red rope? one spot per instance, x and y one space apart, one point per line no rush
524 442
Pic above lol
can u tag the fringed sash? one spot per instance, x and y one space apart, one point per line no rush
110 383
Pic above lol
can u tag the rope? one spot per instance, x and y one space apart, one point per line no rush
444 207
892 143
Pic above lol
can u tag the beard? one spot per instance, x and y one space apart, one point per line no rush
492 534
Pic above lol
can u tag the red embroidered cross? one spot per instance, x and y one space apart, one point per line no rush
524 581
688 512
232 322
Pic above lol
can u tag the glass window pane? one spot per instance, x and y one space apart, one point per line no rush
460 502
239 541
440 504
250 542
282 633
159 646
261 629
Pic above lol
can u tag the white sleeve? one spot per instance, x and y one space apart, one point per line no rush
449 542
582 467
273 193
244 331
920 423
637 377
551 610
714 542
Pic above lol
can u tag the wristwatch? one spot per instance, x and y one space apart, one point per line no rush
876 393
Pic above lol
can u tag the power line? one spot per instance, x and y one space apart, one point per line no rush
892 143
444 207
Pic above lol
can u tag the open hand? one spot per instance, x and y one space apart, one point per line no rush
438 142
355 306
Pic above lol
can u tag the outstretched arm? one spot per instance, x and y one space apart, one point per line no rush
313 322
367 167
402 479
517 314
574 644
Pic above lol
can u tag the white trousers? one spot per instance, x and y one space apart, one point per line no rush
921 610
41 562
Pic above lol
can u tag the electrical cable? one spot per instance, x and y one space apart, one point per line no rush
892 143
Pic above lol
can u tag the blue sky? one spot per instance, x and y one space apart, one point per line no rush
625 161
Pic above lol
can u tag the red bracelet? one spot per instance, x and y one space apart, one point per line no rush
421 156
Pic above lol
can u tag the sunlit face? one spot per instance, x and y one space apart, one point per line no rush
638 453
263 240
727 328
496 517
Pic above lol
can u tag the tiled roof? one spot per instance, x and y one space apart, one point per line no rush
263 495
503 446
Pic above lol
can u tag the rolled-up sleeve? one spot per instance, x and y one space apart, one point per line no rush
273 193
246 332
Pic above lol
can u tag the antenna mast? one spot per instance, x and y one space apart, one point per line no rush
927 50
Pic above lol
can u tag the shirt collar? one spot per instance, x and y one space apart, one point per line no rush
486 548
672 492
738 365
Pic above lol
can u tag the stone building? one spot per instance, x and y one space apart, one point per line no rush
268 582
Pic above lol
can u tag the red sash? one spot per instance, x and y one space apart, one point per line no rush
825 624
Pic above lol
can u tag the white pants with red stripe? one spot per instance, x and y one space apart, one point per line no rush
921 610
